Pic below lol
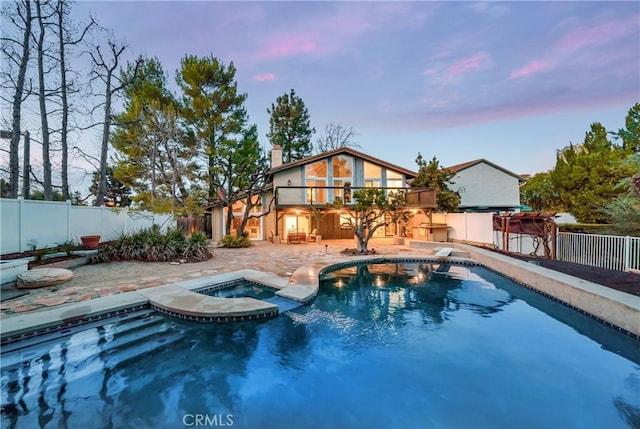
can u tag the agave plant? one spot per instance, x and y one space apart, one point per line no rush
197 247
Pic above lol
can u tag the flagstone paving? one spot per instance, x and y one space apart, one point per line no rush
94 281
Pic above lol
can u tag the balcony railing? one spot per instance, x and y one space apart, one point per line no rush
320 196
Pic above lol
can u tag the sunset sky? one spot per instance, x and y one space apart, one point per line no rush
508 81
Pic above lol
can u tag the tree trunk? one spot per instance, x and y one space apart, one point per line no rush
46 160
14 172
227 228
102 184
65 105
26 166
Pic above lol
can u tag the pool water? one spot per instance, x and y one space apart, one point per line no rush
400 345
243 290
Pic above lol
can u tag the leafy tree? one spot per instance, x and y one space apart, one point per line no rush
116 193
240 171
334 137
290 127
213 109
373 209
585 176
255 188
540 193
431 175
76 198
624 211
39 195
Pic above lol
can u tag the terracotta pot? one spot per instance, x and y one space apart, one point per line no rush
90 241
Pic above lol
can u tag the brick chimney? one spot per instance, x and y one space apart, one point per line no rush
276 156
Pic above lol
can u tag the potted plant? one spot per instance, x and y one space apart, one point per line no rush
90 241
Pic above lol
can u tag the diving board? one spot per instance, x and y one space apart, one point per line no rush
444 252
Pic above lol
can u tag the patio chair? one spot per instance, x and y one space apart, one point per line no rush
312 235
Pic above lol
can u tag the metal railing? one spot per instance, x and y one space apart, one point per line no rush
606 251
288 196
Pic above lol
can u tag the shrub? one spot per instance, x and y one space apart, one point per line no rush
233 241
584 228
38 253
151 245
67 246
197 247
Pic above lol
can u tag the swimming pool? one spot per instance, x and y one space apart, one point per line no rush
397 345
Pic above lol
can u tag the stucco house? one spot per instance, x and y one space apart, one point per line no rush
303 188
300 189
486 187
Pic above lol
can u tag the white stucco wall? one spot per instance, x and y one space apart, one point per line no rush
281 178
484 185
281 181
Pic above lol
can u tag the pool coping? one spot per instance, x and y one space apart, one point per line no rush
18 326
618 309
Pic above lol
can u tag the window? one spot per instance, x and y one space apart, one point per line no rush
372 170
316 191
342 173
372 175
316 181
394 180
342 166
316 169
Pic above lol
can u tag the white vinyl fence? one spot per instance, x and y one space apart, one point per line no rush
606 251
50 223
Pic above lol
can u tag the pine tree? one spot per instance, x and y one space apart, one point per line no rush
213 109
156 154
290 127
116 193
431 175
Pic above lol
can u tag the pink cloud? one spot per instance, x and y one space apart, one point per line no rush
265 77
606 32
469 64
332 32
287 45
529 69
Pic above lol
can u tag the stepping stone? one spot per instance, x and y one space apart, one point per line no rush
41 277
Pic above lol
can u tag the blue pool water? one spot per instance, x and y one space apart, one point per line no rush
389 346
241 291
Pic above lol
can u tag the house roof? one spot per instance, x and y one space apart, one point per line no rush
343 150
459 167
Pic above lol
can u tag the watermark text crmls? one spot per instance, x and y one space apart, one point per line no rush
207 420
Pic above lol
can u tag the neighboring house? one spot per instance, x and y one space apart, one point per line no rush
300 188
486 187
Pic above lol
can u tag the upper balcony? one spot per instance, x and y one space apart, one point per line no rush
320 196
